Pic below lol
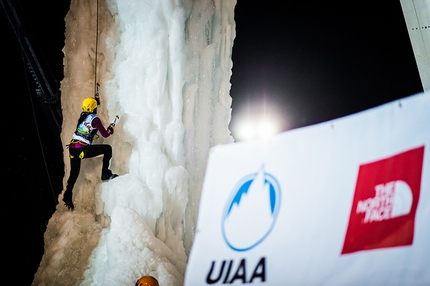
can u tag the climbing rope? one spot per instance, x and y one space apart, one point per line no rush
97 38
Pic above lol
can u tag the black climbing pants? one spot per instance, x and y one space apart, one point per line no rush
75 163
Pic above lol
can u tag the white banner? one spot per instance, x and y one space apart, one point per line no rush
346 202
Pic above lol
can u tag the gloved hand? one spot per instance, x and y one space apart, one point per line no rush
110 129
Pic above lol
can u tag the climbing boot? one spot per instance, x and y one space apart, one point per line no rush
108 175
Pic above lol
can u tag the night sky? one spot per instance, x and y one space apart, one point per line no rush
313 61
305 62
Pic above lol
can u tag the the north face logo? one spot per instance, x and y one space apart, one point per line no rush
391 200
385 201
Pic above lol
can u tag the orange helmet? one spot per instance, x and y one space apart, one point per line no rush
147 281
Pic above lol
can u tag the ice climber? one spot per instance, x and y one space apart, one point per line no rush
80 146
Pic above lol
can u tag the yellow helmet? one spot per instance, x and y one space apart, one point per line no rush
147 281
89 104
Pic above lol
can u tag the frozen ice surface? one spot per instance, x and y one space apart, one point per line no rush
164 68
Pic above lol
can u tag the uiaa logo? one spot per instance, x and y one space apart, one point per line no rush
251 211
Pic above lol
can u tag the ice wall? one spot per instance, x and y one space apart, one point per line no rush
164 68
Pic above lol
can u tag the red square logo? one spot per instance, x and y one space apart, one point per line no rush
385 201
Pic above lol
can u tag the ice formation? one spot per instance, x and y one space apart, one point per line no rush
164 68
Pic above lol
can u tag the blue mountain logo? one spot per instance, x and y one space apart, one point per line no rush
251 211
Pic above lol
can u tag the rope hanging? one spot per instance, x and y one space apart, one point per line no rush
97 38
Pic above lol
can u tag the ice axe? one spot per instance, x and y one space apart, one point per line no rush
114 121
112 125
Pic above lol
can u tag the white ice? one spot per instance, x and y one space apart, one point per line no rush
164 68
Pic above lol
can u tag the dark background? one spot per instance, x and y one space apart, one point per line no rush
310 62
32 170
319 60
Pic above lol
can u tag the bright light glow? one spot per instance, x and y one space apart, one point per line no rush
266 129
247 131
260 118
257 128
